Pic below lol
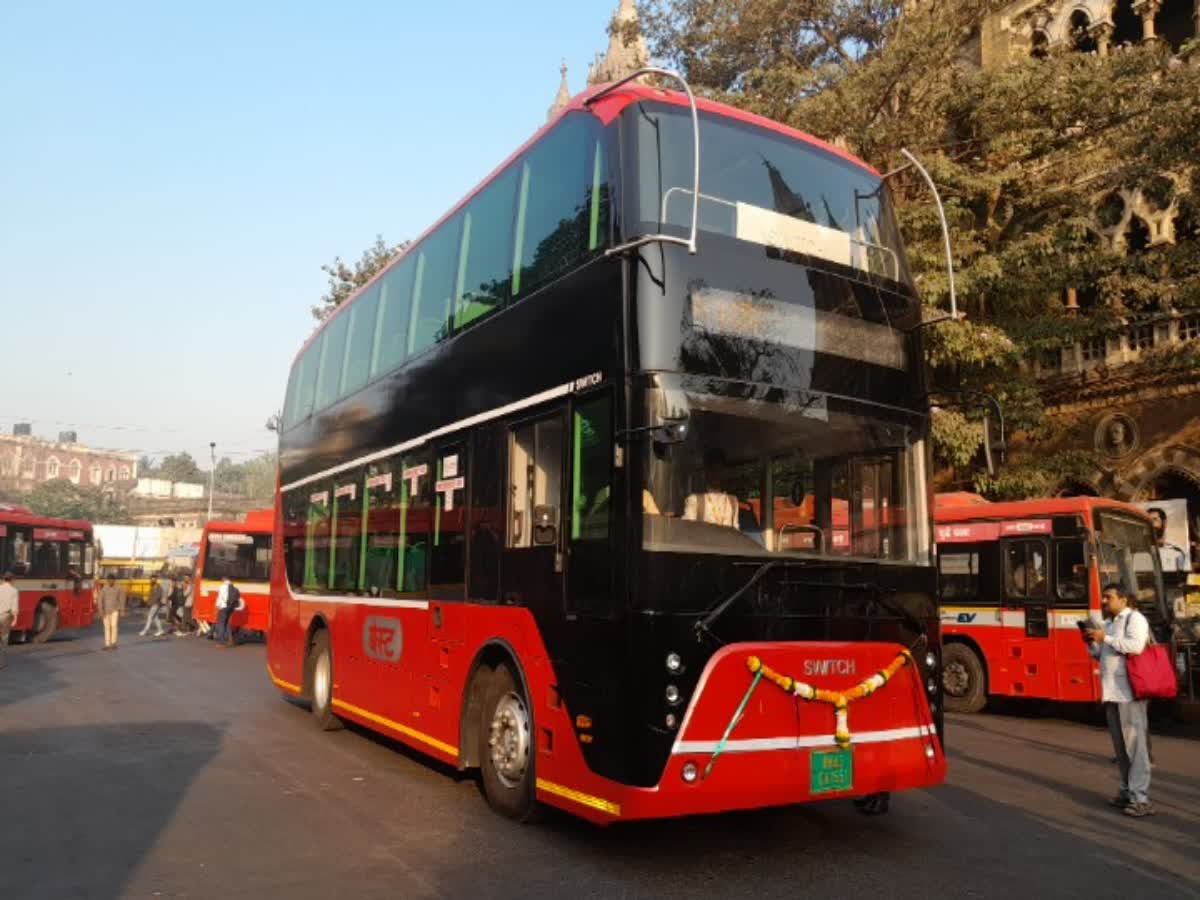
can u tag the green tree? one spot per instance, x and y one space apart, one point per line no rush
344 279
1025 156
146 467
181 467
260 476
63 499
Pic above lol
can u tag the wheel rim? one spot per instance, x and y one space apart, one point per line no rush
955 679
509 740
321 679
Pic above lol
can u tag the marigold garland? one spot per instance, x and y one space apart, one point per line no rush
839 700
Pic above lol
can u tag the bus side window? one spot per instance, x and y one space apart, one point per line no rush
295 528
1025 569
535 483
316 537
959 573
487 514
345 532
448 558
1070 573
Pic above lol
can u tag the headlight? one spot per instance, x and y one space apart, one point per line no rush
672 694
931 686
674 663
690 772
671 720
930 661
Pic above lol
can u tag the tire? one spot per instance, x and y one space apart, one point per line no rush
507 747
45 623
320 682
964 683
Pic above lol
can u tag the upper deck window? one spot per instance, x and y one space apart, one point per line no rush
762 187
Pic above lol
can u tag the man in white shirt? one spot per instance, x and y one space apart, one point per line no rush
1125 633
10 606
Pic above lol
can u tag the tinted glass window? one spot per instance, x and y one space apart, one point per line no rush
395 305
238 556
959 570
433 288
295 531
1070 573
535 479
345 533
329 375
1025 569
448 557
557 221
357 364
485 262
316 543
591 463
305 377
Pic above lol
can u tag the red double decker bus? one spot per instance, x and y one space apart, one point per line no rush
614 487
53 563
240 551
1017 578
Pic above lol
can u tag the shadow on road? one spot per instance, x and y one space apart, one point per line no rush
86 804
27 677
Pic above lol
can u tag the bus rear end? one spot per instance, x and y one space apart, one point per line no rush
240 551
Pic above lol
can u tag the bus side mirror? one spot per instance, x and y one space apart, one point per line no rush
673 430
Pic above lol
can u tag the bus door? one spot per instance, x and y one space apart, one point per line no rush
1071 604
533 559
1029 654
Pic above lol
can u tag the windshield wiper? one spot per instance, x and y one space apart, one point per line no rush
703 626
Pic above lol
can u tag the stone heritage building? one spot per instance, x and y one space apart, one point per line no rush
27 461
1132 396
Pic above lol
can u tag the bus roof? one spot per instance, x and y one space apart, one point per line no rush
258 521
21 516
1028 509
606 110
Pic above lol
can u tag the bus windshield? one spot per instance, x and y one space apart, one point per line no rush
752 470
238 556
1128 556
764 187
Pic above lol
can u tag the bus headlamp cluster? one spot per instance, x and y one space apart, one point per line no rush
674 663
931 686
930 660
690 772
672 694
671 720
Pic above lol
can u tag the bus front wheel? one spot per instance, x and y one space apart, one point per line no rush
45 622
320 682
964 683
506 747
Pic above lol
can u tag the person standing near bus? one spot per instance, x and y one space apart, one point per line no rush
10 606
1125 633
110 600
229 601
156 605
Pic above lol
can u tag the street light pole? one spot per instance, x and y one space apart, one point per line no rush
212 472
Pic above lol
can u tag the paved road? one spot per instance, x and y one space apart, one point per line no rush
172 768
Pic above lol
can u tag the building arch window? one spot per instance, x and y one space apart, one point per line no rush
94 475
111 474
1127 24
74 470
1079 33
52 467
124 473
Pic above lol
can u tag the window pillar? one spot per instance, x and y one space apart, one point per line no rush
1147 9
1103 32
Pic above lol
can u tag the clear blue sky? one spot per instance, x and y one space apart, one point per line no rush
173 175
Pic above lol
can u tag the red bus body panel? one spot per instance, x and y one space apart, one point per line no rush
418 700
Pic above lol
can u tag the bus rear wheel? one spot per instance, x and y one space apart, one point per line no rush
506 747
320 682
45 622
964 683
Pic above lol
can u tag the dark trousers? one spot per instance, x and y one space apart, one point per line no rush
224 632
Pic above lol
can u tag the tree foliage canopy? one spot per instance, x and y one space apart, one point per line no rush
345 279
63 499
1027 156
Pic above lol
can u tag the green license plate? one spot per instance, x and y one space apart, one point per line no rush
832 771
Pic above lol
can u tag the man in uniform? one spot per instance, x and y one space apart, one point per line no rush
110 600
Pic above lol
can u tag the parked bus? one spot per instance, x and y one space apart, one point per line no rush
564 501
240 551
1017 578
52 562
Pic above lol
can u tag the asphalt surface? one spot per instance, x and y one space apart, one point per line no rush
172 768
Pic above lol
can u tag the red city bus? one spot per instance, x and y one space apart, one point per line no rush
599 524
53 562
1016 578
240 551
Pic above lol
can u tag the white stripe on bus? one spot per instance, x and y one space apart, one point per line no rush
516 406
800 742
360 601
